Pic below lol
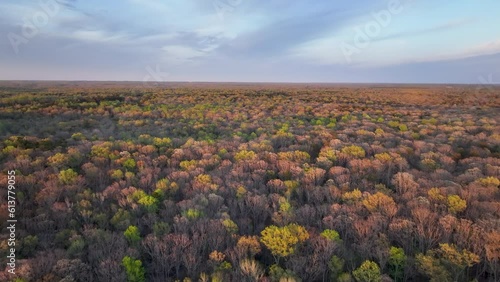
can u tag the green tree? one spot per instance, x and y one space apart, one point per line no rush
331 235
67 176
397 262
162 142
192 214
129 164
134 269
117 174
121 219
132 234
369 271
336 265
278 274
150 203
28 246
78 136
76 246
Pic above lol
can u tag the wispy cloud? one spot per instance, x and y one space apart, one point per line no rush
483 49
271 40
97 36
424 31
278 37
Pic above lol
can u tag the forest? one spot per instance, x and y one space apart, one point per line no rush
250 182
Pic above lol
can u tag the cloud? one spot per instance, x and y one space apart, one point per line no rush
410 33
271 40
482 49
100 36
393 49
181 54
292 25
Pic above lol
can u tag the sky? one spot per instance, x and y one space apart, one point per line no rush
362 41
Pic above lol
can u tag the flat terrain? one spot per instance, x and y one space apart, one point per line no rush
251 182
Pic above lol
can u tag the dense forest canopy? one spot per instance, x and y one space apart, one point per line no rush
271 182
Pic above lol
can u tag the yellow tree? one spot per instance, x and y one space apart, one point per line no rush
354 151
456 204
381 203
369 271
247 247
446 263
282 241
458 261
352 197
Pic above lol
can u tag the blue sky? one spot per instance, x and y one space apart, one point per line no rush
405 41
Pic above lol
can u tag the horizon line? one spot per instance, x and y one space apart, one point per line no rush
249 82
